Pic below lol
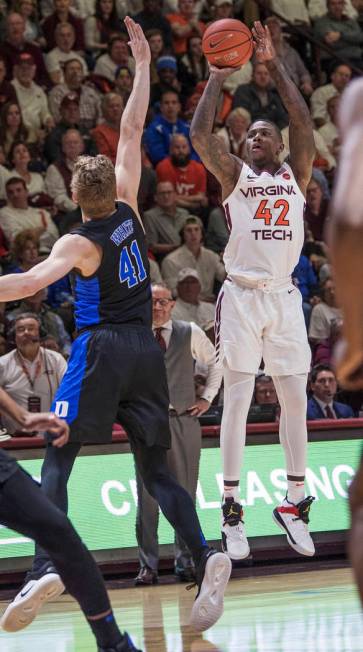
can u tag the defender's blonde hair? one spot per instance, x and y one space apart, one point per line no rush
94 184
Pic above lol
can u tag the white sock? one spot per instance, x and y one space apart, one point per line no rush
295 491
232 492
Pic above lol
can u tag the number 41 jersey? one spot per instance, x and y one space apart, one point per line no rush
264 215
119 291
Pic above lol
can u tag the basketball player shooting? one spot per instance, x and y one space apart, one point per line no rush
259 310
347 254
116 371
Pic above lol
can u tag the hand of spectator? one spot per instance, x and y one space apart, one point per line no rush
199 407
264 49
306 88
332 37
49 422
139 46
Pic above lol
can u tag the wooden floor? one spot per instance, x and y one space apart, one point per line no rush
315 611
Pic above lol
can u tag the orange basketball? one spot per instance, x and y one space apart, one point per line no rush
227 43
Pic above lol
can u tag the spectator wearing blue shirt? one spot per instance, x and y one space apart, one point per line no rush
160 130
306 280
322 404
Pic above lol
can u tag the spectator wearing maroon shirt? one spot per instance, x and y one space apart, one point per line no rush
316 210
62 14
15 44
7 91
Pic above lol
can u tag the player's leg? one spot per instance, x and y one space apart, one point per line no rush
238 391
147 520
292 516
25 508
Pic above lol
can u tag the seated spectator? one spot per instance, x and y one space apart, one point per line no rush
155 275
340 77
117 55
70 118
217 232
124 82
316 209
289 57
222 9
188 177
17 215
318 8
160 130
192 254
63 14
166 69
28 10
101 26
260 99
65 38
59 175
265 392
234 134
89 100
329 130
322 405
25 251
106 135
32 100
147 186
184 24
193 66
305 279
164 221
13 129
294 11
326 317
19 157
157 49
151 17
30 374
16 44
51 323
7 91
188 305
324 159
4 176
343 35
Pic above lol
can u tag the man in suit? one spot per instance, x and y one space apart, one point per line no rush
322 405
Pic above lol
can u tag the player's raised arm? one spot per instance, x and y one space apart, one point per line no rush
210 147
128 159
301 138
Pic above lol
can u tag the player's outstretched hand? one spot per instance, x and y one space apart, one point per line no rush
139 46
48 421
221 73
264 48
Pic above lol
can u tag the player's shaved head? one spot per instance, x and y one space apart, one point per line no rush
270 124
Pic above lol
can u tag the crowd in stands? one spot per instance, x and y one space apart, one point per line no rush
66 73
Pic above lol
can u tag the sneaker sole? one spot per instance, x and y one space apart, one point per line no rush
295 546
21 613
208 606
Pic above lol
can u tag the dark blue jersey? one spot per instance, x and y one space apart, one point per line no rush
119 291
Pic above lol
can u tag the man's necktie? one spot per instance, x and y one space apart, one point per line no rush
329 412
159 338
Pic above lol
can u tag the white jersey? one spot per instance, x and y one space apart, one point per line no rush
264 215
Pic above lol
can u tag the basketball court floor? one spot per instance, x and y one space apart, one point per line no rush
308 611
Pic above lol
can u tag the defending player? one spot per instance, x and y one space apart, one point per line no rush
347 253
116 371
25 508
259 310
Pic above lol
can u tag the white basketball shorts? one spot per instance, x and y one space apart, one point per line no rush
253 323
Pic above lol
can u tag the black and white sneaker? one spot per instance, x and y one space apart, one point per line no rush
126 645
39 587
212 577
293 520
234 540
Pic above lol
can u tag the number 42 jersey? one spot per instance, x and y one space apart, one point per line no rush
264 215
119 291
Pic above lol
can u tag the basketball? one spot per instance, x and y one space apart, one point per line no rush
227 43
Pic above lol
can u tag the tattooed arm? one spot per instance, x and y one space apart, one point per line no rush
302 147
211 149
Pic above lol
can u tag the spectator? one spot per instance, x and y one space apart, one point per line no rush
164 221
63 14
30 374
155 275
13 129
28 10
340 77
19 157
89 101
329 131
324 160
318 8
222 9
260 99
188 177
294 11
183 344
59 175
184 24
234 134
151 17
322 405
65 38
7 92
166 69
32 99
188 305
117 55
17 215
4 176
289 57
193 66
265 392
101 26
305 279
316 210
106 135
70 118
343 35
217 232
123 83
15 44
160 130
192 254
326 318
25 251
157 49
147 186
